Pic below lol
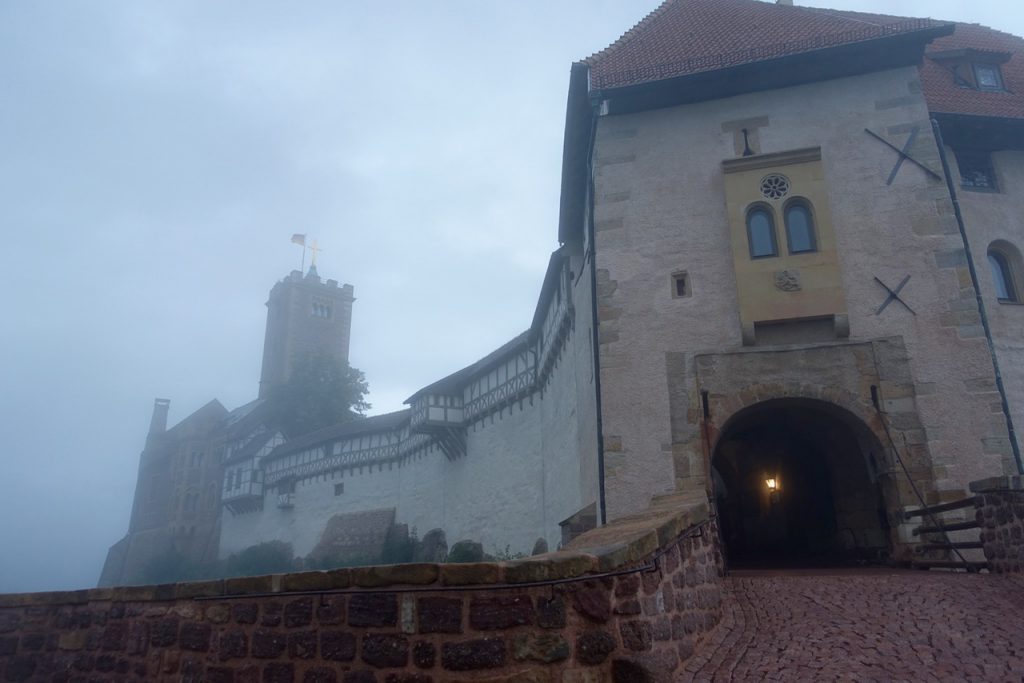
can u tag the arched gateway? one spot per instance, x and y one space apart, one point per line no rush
800 481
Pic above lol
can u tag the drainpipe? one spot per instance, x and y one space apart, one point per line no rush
977 295
602 509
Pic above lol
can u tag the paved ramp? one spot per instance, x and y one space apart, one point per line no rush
866 625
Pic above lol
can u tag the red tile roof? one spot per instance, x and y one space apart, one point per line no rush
946 97
684 37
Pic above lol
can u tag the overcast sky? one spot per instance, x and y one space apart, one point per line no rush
156 157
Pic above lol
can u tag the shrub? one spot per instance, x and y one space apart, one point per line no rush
264 558
170 567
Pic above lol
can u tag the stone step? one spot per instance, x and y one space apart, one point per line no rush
963 545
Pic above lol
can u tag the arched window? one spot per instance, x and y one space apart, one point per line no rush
761 232
800 228
1004 262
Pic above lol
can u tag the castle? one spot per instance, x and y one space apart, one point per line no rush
789 276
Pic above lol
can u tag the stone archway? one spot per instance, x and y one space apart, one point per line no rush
798 481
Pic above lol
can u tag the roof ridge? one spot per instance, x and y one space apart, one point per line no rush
847 14
631 32
637 28
716 60
358 424
988 28
824 28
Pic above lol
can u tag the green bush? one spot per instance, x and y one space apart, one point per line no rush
265 558
170 567
399 546
466 551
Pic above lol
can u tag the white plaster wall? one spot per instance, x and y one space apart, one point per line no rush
990 216
582 490
661 208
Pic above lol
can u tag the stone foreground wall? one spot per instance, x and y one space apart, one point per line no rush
628 602
1000 514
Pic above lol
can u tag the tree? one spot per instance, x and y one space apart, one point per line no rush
320 392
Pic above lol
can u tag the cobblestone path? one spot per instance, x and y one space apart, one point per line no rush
865 625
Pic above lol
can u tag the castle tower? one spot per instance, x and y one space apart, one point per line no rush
304 315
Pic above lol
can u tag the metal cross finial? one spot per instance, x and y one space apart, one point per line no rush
314 249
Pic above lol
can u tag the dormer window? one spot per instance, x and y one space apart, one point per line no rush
972 68
987 77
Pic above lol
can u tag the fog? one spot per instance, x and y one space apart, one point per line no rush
156 159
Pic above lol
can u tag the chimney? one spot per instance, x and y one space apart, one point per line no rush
158 425
787 3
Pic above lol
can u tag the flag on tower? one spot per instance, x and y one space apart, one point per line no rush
299 239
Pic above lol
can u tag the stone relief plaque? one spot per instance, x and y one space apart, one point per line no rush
787 280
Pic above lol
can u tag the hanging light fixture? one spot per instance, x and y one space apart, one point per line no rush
772 483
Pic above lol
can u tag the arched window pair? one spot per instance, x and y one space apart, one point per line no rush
1004 261
799 224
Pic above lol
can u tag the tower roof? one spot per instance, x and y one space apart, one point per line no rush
685 37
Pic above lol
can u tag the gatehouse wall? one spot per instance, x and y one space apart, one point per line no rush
661 208
997 219
838 377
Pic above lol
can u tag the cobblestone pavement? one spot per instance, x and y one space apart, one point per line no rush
865 625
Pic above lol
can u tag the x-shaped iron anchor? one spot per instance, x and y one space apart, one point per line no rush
903 154
894 295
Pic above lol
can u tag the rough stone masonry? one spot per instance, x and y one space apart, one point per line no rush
630 602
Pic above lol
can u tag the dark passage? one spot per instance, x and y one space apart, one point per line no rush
795 484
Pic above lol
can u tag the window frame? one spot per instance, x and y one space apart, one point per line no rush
767 210
974 158
1004 266
1000 84
681 277
806 205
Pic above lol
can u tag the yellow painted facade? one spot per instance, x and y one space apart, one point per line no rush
786 286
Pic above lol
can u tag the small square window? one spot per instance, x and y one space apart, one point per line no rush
339 489
976 172
987 77
680 285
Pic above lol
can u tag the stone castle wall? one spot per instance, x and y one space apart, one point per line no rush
661 208
991 217
630 602
1000 513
